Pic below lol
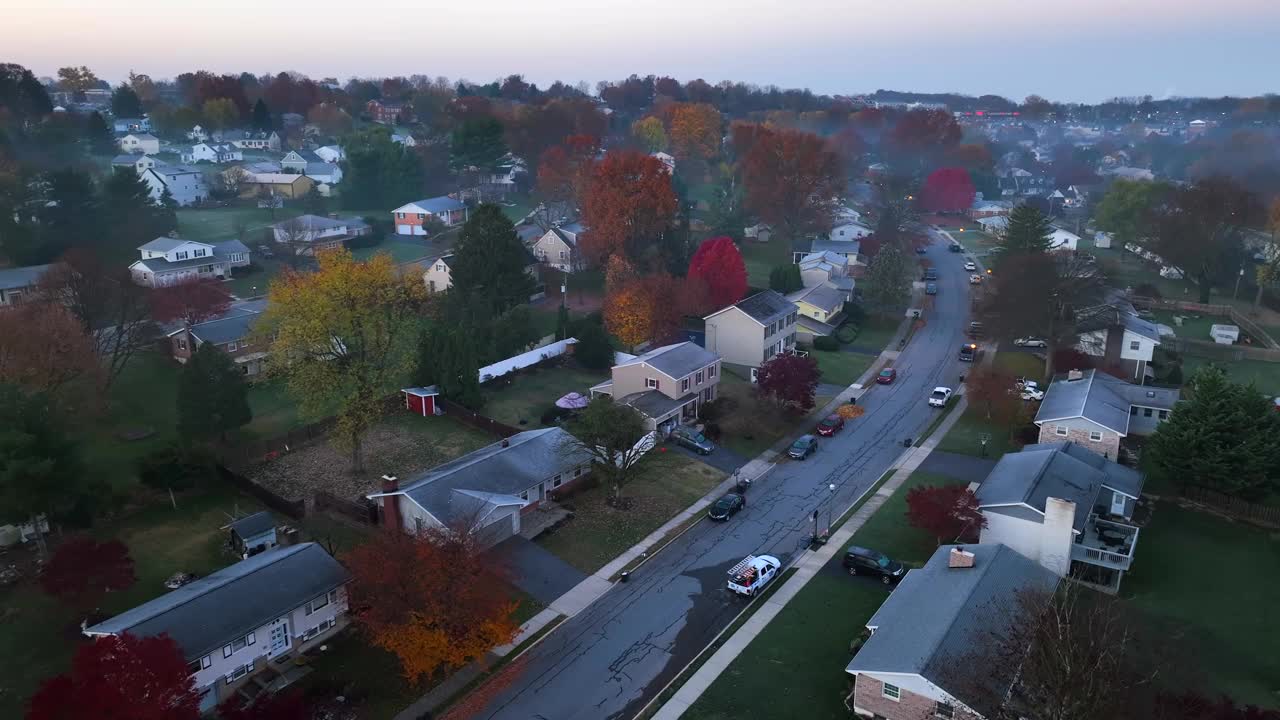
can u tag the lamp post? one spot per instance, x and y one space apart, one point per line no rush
984 438
831 501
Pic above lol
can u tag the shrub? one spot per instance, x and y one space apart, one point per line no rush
785 278
1146 290
826 342
854 313
175 468
847 332
555 415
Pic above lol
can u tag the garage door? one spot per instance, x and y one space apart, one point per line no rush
404 229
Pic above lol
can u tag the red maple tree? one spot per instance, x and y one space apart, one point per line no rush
924 134
948 189
628 204
120 678
792 178
947 512
191 301
717 266
46 349
288 705
789 380
83 570
564 171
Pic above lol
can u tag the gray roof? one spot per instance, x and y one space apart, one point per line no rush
159 265
824 297
320 168
1031 477
938 614
1115 476
233 326
233 601
842 247
653 404
129 160
1101 399
20 277
568 236
675 361
309 223
504 468
165 244
253 525
444 203
766 306
1109 316
815 327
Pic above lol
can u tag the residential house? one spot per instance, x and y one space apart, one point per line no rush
134 161
253 617
1061 239
250 139
1066 508
821 309
169 260
17 283
827 268
438 275
231 332
253 534
668 161
297 160
280 185
388 113
410 219
309 234
917 664
848 226
323 173
331 154
990 208
1115 333
667 385
850 249
213 152
185 184
758 232
292 120
1129 173
197 133
487 491
131 125
558 248
405 140
1097 410
144 143
994 225
753 330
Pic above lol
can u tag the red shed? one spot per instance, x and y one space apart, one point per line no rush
421 400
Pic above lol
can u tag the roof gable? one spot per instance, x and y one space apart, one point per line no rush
676 361
764 307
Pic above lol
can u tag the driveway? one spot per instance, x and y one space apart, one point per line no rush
611 659
537 571
722 458
959 467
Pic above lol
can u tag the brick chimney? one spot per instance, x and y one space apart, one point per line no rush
1073 375
391 503
1057 535
959 558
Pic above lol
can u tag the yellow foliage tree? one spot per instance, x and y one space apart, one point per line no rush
649 134
695 131
342 336
628 313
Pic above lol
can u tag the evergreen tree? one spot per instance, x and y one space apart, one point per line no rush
593 350
125 103
69 214
379 172
477 144
261 119
98 135
1028 231
450 358
888 281
489 261
212 395
129 217
785 278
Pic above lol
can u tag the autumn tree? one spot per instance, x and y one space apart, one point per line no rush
643 309
564 173
993 393
921 137
220 113
83 570
347 331
613 436
213 396
628 204
793 179
949 513
452 608
121 678
695 131
719 272
46 350
789 380
77 79
887 285
947 190
1126 207
489 261
649 134
1200 230
331 119
190 301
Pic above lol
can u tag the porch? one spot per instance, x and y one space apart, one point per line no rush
1103 552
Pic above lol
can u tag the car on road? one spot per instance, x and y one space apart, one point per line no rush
967 351
863 561
921 249
686 436
975 329
930 273
1031 342
726 506
831 425
940 396
975 279
887 376
971 266
956 247
754 572
931 288
803 447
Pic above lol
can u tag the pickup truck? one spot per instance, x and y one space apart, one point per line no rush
754 572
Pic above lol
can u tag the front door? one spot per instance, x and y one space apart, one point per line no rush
279 641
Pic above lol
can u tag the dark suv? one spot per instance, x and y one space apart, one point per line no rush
967 352
861 561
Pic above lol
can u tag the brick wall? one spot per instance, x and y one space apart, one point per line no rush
1108 447
869 700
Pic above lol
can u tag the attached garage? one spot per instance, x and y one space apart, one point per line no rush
421 400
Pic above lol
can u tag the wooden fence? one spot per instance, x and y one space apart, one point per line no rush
475 419
296 509
1236 507
1226 311
361 512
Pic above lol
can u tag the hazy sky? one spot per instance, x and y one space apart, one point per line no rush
1085 50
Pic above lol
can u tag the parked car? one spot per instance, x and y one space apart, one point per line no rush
956 247
975 279
688 437
831 425
971 266
862 561
967 351
975 329
940 396
931 289
1031 342
921 249
803 447
726 506
887 376
750 575
930 273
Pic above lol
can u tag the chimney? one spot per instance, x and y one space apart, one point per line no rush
1073 375
1057 535
959 558
391 503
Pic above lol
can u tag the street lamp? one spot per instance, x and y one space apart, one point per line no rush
984 438
831 501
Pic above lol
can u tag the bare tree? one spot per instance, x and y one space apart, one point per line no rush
613 437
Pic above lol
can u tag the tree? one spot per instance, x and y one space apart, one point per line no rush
261 119
220 113
212 395
785 278
452 608
125 103
70 212
129 217
792 180
947 512
98 135
726 214
83 570
1126 208
718 267
192 301
628 204
490 262
477 145
379 172
789 380
330 119
888 281
1027 232
642 309
1222 436
21 94
46 350
447 357
593 350
288 704
649 134
992 392
121 678
345 329
1200 230
614 437
923 137
947 190
77 79
695 131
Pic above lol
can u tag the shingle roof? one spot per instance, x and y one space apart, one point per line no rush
1108 316
233 601
824 297
676 361
20 277
1100 398
126 160
653 404
310 223
165 244
320 168
1115 476
228 328
253 525
765 307
843 247
444 203
1032 477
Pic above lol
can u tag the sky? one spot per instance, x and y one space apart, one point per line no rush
1077 51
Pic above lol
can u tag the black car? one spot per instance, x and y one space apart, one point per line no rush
967 352
956 247
931 273
861 561
803 447
726 506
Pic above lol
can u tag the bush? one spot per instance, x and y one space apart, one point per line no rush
855 313
785 278
847 333
176 468
555 415
1146 290
826 343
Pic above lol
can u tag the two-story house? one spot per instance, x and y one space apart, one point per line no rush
185 184
667 385
917 664
131 125
385 112
1097 410
753 330
309 234
134 162
217 153
827 268
485 492
231 332
278 185
821 309
297 160
411 219
438 275
197 133
848 249
169 260
1115 333
144 143
251 618
250 139
558 248
17 283
1066 508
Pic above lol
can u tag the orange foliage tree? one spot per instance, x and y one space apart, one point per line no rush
695 131
432 600
645 308
564 171
45 349
792 179
628 204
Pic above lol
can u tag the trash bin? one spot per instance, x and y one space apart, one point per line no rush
906 443
625 576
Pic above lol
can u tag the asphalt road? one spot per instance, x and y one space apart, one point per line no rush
611 659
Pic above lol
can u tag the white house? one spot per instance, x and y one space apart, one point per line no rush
169 260
405 140
1063 240
558 248
19 282
1115 333
218 153
252 617
144 143
848 225
827 268
137 162
131 125
307 234
197 134
250 139
186 184
668 161
331 154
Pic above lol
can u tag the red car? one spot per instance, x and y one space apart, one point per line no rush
887 376
831 425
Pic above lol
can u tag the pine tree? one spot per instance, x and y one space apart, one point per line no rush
40 468
212 395
129 217
125 103
490 262
98 135
1028 231
888 284
261 116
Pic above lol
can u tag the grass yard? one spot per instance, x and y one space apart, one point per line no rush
888 530
876 332
143 398
842 368
275 412
598 533
964 436
760 258
1019 364
1195 326
520 206
748 426
1231 623
522 400
977 242
401 249
255 280
371 674
1264 375
218 224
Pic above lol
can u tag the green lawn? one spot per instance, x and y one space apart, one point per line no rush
400 249
255 280
876 332
842 368
226 223
1232 624
888 530
529 394
143 398
1019 364
964 436
760 258
748 425
1264 375
521 205
598 533
371 674
275 412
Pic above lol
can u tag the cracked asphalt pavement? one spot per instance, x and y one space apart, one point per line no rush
610 660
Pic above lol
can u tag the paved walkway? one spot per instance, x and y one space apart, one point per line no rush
538 571
966 468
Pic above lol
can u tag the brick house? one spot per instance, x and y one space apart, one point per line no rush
667 385
231 332
1096 410
753 330
913 667
388 113
411 219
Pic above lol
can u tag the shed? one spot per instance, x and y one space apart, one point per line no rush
1224 334
253 534
421 400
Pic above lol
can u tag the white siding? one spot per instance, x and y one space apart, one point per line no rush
1145 348
1022 536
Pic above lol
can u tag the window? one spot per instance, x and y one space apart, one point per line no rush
231 346
193 667
1135 345
524 495
421 216
711 371
577 471
945 710
206 661
1164 414
893 692
1060 430
180 255
651 383
198 252
698 377
1095 436
316 604
239 672
684 385
563 254
555 481
1146 412
182 344
238 644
